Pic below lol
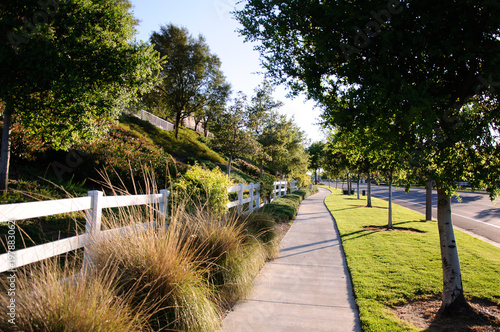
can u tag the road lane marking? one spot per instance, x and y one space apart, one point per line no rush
455 214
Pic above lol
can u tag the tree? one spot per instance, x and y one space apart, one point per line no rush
260 111
284 142
232 136
317 153
429 65
68 69
187 75
215 99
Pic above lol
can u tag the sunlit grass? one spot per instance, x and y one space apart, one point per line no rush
390 268
51 298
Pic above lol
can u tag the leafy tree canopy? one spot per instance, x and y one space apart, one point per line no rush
68 68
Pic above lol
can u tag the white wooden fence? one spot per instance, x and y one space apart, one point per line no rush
253 198
280 189
92 204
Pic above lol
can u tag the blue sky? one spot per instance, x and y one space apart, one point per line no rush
240 63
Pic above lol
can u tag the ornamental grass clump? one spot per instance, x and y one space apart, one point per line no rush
232 255
262 226
51 298
160 270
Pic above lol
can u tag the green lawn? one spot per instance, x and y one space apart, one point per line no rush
390 268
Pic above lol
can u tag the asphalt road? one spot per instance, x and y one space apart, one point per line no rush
476 213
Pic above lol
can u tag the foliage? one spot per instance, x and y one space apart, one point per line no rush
428 96
48 300
205 188
266 186
260 110
213 101
123 154
284 142
384 277
261 226
232 136
186 145
159 269
247 167
65 80
303 180
189 77
229 249
205 163
285 208
317 153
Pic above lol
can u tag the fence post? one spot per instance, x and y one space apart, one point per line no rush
258 196
250 206
240 197
163 207
93 222
274 190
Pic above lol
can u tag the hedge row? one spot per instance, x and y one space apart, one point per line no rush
285 208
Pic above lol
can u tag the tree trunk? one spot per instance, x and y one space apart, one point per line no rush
205 128
357 186
389 223
229 166
316 176
454 302
349 184
178 118
428 202
369 193
5 149
261 168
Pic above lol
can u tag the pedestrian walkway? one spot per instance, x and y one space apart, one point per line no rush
308 287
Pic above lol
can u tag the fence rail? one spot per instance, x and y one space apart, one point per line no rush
253 198
167 125
93 204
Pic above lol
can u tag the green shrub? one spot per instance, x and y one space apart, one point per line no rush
303 180
205 140
206 188
285 208
247 167
205 163
266 186
122 154
187 144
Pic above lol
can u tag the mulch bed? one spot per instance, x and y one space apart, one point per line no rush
484 318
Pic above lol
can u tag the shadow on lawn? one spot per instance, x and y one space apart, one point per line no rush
372 229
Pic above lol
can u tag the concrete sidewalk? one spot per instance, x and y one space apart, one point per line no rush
308 287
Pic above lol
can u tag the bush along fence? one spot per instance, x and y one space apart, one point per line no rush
93 204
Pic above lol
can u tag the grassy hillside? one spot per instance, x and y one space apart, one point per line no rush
187 145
